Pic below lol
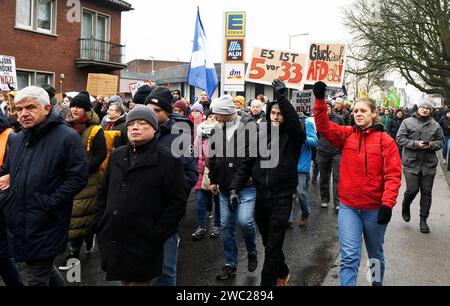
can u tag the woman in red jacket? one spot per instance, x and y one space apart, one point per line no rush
370 178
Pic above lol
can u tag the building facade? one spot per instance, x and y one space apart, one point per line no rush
59 41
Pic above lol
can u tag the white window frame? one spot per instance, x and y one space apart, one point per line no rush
94 30
33 74
34 23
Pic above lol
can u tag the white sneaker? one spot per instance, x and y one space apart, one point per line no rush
324 205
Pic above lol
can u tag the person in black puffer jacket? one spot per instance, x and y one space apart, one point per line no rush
395 126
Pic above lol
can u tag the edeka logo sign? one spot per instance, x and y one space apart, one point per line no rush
235 24
234 51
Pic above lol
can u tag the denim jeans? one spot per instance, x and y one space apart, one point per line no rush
204 199
303 196
446 147
168 276
243 216
353 224
9 272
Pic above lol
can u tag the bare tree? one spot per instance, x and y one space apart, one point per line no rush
408 36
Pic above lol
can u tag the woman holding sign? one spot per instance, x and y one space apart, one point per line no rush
368 187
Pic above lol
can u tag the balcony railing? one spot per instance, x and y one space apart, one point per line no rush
99 50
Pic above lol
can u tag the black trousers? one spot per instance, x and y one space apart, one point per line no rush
44 273
272 216
414 183
328 164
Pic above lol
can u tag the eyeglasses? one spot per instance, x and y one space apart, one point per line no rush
425 107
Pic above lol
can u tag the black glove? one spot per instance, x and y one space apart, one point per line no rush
319 90
384 214
280 89
234 200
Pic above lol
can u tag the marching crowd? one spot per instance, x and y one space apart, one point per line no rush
90 171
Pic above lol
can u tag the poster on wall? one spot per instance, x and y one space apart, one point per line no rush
8 75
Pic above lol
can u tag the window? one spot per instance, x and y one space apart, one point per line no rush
36 15
95 36
28 78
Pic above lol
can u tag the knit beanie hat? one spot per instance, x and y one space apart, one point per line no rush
51 93
427 104
141 94
197 107
115 99
181 104
82 100
240 99
142 112
162 97
223 105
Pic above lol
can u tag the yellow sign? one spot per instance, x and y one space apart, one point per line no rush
102 84
235 24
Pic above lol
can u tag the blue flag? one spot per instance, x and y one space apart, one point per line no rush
202 73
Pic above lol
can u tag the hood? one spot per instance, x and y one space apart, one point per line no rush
53 119
95 119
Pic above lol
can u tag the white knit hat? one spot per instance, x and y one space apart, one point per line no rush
223 105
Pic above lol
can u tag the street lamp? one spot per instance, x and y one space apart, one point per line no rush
295 35
153 71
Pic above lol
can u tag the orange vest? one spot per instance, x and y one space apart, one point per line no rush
3 142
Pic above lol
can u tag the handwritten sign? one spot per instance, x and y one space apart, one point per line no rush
8 76
268 64
303 101
326 63
102 84
136 85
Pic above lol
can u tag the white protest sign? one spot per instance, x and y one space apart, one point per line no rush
8 74
303 101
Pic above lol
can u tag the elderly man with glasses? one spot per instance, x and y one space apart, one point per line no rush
421 137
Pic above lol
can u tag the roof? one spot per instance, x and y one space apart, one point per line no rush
122 5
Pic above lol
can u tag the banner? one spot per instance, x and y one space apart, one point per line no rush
268 64
303 101
136 85
102 84
326 63
8 76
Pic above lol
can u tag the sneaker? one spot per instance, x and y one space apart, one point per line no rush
324 205
303 221
90 244
336 209
284 281
252 262
227 272
199 234
210 215
215 232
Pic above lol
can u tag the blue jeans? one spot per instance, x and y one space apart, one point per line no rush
168 276
9 273
205 198
446 147
353 224
244 217
303 195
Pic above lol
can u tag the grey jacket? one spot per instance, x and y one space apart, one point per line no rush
325 148
411 132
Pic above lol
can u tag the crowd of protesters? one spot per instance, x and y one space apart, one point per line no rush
96 170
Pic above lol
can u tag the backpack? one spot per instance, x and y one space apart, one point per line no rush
109 137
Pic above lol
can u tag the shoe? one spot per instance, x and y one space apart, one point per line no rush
303 221
406 214
210 215
199 234
90 244
336 209
252 262
324 205
424 226
284 281
227 272
215 232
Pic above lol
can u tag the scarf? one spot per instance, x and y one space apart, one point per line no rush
78 124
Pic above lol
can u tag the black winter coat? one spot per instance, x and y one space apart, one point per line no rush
281 180
445 125
4 254
324 147
140 204
47 167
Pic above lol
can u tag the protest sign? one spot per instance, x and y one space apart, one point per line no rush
8 76
268 64
326 63
102 84
136 85
303 101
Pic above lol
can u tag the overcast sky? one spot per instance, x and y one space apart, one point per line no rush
165 29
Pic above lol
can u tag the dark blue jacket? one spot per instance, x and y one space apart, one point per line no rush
166 138
4 254
47 167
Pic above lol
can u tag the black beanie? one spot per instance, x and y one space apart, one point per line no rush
162 97
82 100
51 93
141 94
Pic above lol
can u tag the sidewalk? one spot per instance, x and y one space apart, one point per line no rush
413 258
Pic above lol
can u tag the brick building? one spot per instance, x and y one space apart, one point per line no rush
59 44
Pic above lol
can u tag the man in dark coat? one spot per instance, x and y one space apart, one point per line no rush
47 167
141 201
275 184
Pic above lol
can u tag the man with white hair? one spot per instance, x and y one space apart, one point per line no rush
341 111
47 167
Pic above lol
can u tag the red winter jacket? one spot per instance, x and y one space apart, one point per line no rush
370 170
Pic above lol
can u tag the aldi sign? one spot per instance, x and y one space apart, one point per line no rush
234 50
